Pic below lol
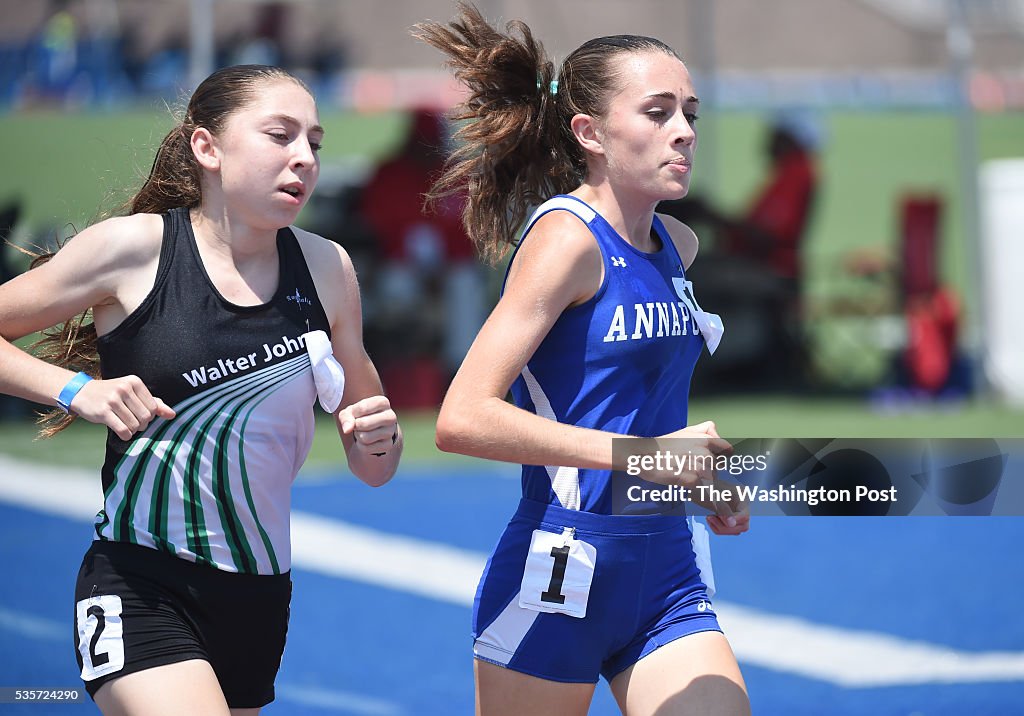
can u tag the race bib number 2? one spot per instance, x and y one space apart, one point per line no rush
558 574
100 635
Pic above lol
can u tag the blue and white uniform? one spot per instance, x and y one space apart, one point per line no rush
574 590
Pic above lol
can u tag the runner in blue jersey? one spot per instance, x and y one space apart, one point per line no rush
596 335
216 326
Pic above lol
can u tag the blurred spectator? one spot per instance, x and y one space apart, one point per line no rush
772 229
770 234
262 44
327 61
166 67
101 48
56 57
76 57
430 283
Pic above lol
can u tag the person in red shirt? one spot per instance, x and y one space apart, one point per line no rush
430 285
773 228
392 200
765 242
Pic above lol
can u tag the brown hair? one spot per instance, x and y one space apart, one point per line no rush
517 148
175 180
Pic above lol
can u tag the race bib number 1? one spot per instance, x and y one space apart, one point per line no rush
558 574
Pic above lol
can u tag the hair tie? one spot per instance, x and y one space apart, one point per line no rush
552 87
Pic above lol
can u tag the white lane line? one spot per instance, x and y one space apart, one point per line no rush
333 700
65 492
34 627
845 657
851 658
429 569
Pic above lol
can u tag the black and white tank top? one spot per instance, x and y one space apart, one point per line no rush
212 485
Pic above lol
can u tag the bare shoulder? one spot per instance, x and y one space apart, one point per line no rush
104 258
331 268
323 255
565 230
560 248
120 242
109 264
685 239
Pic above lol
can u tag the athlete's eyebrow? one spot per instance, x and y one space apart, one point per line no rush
672 96
288 119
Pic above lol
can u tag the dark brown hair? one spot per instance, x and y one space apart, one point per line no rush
516 145
174 181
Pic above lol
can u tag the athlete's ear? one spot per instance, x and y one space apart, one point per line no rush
587 133
205 149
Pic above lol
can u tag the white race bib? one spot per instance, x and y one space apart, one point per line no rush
710 324
328 375
100 635
558 574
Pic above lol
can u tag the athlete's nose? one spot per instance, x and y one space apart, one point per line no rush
686 133
304 155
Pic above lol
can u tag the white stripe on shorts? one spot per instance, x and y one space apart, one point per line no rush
499 641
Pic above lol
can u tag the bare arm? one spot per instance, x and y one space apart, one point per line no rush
90 271
558 266
367 425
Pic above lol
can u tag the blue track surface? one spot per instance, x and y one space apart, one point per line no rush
356 648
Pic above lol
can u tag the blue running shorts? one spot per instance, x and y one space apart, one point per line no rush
597 594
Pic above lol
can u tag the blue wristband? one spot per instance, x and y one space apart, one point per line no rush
71 390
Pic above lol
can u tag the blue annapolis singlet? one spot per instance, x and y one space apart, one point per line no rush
621 362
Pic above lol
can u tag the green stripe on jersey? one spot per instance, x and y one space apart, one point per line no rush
192 430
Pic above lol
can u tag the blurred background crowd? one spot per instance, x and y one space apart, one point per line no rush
857 192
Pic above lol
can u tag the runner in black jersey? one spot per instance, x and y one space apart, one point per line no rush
216 327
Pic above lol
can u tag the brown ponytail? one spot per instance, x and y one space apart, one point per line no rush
517 146
507 157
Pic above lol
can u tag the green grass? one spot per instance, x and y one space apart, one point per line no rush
82 444
71 168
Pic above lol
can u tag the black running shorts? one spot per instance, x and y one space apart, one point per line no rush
137 608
